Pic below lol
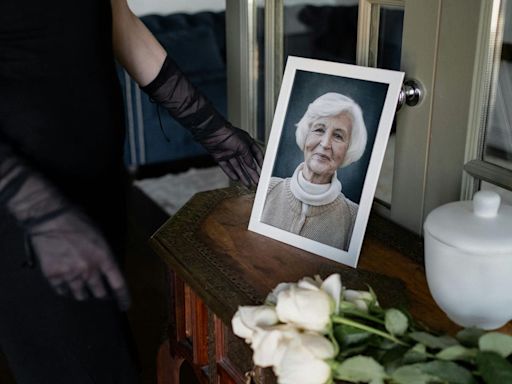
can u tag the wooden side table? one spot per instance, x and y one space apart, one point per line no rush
216 264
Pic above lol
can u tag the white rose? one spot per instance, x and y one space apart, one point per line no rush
269 344
332 285
361 299
310 283
305 308
249 318
303 361
272 296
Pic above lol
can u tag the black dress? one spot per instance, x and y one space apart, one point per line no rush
61 111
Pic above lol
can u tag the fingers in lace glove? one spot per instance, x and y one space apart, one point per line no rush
73 255
96 286
77 287
75 259
237 171
236 152
116 283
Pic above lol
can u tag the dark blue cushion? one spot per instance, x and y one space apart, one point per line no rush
194 50
215 21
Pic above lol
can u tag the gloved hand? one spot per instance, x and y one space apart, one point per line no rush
235 151
73 255
76 259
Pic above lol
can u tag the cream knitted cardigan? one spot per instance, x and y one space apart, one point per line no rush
331 224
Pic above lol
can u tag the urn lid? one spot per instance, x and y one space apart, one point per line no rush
482 226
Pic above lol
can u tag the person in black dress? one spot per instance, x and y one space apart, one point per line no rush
62 181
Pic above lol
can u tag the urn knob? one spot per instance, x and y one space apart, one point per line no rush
486 204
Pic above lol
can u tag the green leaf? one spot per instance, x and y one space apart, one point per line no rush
431 341
351 351
348 336
469 336
447 371
416 354
360 369
396 322
392 357
496 342
347 306
381 343
494 368
409 374
372 292
375 309
373 305
457 352
351 312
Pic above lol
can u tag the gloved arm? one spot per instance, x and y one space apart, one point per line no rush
72 253
142 56
235 151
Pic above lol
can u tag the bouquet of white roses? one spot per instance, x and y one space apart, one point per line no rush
315 332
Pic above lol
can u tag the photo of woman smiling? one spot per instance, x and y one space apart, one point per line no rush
331 134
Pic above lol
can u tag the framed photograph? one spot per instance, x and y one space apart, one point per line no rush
324 154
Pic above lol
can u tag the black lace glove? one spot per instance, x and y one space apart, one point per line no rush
73 255
234 150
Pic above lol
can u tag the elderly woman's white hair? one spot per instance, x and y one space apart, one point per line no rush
332 104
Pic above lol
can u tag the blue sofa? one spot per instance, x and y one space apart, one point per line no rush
197 43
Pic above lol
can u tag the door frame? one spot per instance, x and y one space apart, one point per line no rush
440 50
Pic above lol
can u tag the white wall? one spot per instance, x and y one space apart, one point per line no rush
143 7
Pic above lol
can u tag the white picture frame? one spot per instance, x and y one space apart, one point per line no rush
376 91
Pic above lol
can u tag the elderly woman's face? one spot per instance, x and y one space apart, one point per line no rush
326 145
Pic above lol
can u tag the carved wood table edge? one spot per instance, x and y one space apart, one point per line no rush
179 243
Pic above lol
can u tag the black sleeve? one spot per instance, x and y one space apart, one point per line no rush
172 89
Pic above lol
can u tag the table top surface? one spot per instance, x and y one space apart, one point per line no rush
208 245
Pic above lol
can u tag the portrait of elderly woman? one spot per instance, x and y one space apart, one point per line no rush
331 134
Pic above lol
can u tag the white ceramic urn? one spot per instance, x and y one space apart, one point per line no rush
468 260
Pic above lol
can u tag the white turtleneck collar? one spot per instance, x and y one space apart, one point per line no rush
314 194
